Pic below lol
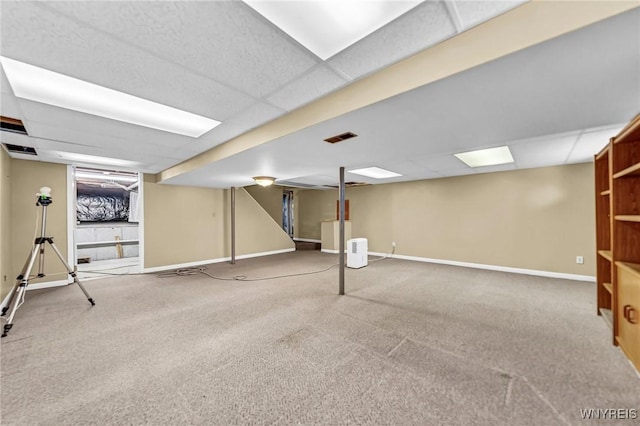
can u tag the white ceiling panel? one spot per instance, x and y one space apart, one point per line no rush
5 87
225 61
90 125
78 141
16 139
35 34
257 114
473 12
497 168
9 106
426 24
590 143
226 40
222 133
440 163
546 151
319 82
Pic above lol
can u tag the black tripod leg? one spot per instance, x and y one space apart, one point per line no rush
21 288
71 272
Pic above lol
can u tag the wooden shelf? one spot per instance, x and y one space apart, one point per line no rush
602 153
628 131
607 316
606 254
628 217
607 192
629 171
608 287
634 268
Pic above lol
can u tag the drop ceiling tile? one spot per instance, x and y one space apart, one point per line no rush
424 26
16 139
5 87
40 37
457 172
474 12
119 148
256 115
222 133
496 168
590 143
225 39
543 152
9 107
319 82
81 127
440 163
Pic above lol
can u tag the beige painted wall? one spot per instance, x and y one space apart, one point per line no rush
256 231
534 219
189 224
6 270
270 198
27 177
182 224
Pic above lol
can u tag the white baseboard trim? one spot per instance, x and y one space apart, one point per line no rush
218 260
492 267
331 251
307 240
48 284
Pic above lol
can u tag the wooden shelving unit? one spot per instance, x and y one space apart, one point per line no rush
617 184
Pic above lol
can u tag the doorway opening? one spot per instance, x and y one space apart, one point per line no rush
287 212
106 227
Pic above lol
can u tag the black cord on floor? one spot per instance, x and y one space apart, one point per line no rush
202 270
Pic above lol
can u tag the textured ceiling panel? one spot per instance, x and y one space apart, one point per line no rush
319 82
440 163
225 39
496 168
256 115
549 151
5 87
91 124
9 107
424 26
473 12
117 147
39 37
16 139
589 144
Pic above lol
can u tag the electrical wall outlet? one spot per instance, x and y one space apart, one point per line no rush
393 244
579 260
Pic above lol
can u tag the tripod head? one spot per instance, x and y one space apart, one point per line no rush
44 196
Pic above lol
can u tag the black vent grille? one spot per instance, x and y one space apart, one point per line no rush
12 125
341 137
19 149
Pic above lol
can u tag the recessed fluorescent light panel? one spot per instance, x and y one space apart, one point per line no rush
93 159
375 172
48 87
486 157
329 26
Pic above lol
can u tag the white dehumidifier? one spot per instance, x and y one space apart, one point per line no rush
357 253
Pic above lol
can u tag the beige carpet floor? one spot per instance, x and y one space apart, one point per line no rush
410 343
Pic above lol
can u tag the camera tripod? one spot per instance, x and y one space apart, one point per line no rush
22 281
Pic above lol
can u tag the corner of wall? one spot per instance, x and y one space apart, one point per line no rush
6 271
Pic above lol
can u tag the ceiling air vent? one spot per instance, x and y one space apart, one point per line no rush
340 138
12 125
349 184
18 149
